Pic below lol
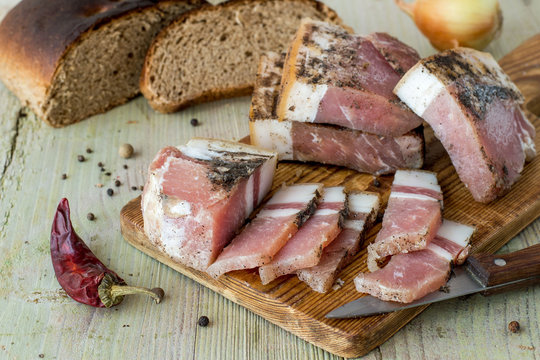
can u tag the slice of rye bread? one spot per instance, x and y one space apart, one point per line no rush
69 59
213 52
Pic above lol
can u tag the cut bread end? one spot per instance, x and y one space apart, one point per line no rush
102 68
213 52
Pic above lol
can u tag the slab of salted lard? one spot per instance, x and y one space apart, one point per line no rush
199 194
327 144
412 217
408 277
333 77
474 109
363 208
305 248
273 226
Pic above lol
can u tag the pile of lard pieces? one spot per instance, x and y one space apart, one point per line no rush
355 101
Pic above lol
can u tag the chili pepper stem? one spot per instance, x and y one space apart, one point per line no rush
112 292
121 290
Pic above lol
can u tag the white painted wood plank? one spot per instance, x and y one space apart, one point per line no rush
37 318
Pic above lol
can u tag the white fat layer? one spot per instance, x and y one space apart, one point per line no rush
458 233
323 212
273 135
411 196
363 203
249 194
196 153
418 88
303 101
300 193
276 213
334 194
419 179
266 178
323 39
172 238
440 252
354 224
178 208
210 146
152 208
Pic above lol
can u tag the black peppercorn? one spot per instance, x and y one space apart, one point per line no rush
100 164
108 173
80 158
117 183
194 122
204 321
88 151
64 176
125 166
110 192
90 216
133 188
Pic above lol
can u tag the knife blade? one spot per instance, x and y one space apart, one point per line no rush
488 274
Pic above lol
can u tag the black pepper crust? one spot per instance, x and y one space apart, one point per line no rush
344 214
302 216
476 86
231 167
314 70
266 94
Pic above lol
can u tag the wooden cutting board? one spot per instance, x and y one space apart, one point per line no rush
292 305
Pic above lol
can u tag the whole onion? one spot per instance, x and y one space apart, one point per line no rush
452 23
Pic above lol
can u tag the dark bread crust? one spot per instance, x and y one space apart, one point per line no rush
214 93
203 97
36 35
38 32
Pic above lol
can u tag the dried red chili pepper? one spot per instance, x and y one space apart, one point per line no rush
80 273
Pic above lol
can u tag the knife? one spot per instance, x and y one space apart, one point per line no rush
483 273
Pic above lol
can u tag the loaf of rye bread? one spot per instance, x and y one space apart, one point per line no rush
213 52
70 59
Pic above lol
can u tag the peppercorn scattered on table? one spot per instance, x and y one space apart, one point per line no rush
40 165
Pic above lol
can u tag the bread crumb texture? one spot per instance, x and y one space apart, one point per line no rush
213 52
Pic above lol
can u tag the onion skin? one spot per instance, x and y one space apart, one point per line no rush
452 23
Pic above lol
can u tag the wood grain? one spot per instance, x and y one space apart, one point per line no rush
493 270
290 304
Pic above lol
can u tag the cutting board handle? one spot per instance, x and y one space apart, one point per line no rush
491 270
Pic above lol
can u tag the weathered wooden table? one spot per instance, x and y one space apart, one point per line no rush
38 320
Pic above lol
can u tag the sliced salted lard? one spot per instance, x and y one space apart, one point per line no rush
401 57
327 144
412 217
474 110
305 248
408 277
333 77
363 209
199 194
278 221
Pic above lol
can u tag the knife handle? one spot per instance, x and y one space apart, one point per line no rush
491 270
